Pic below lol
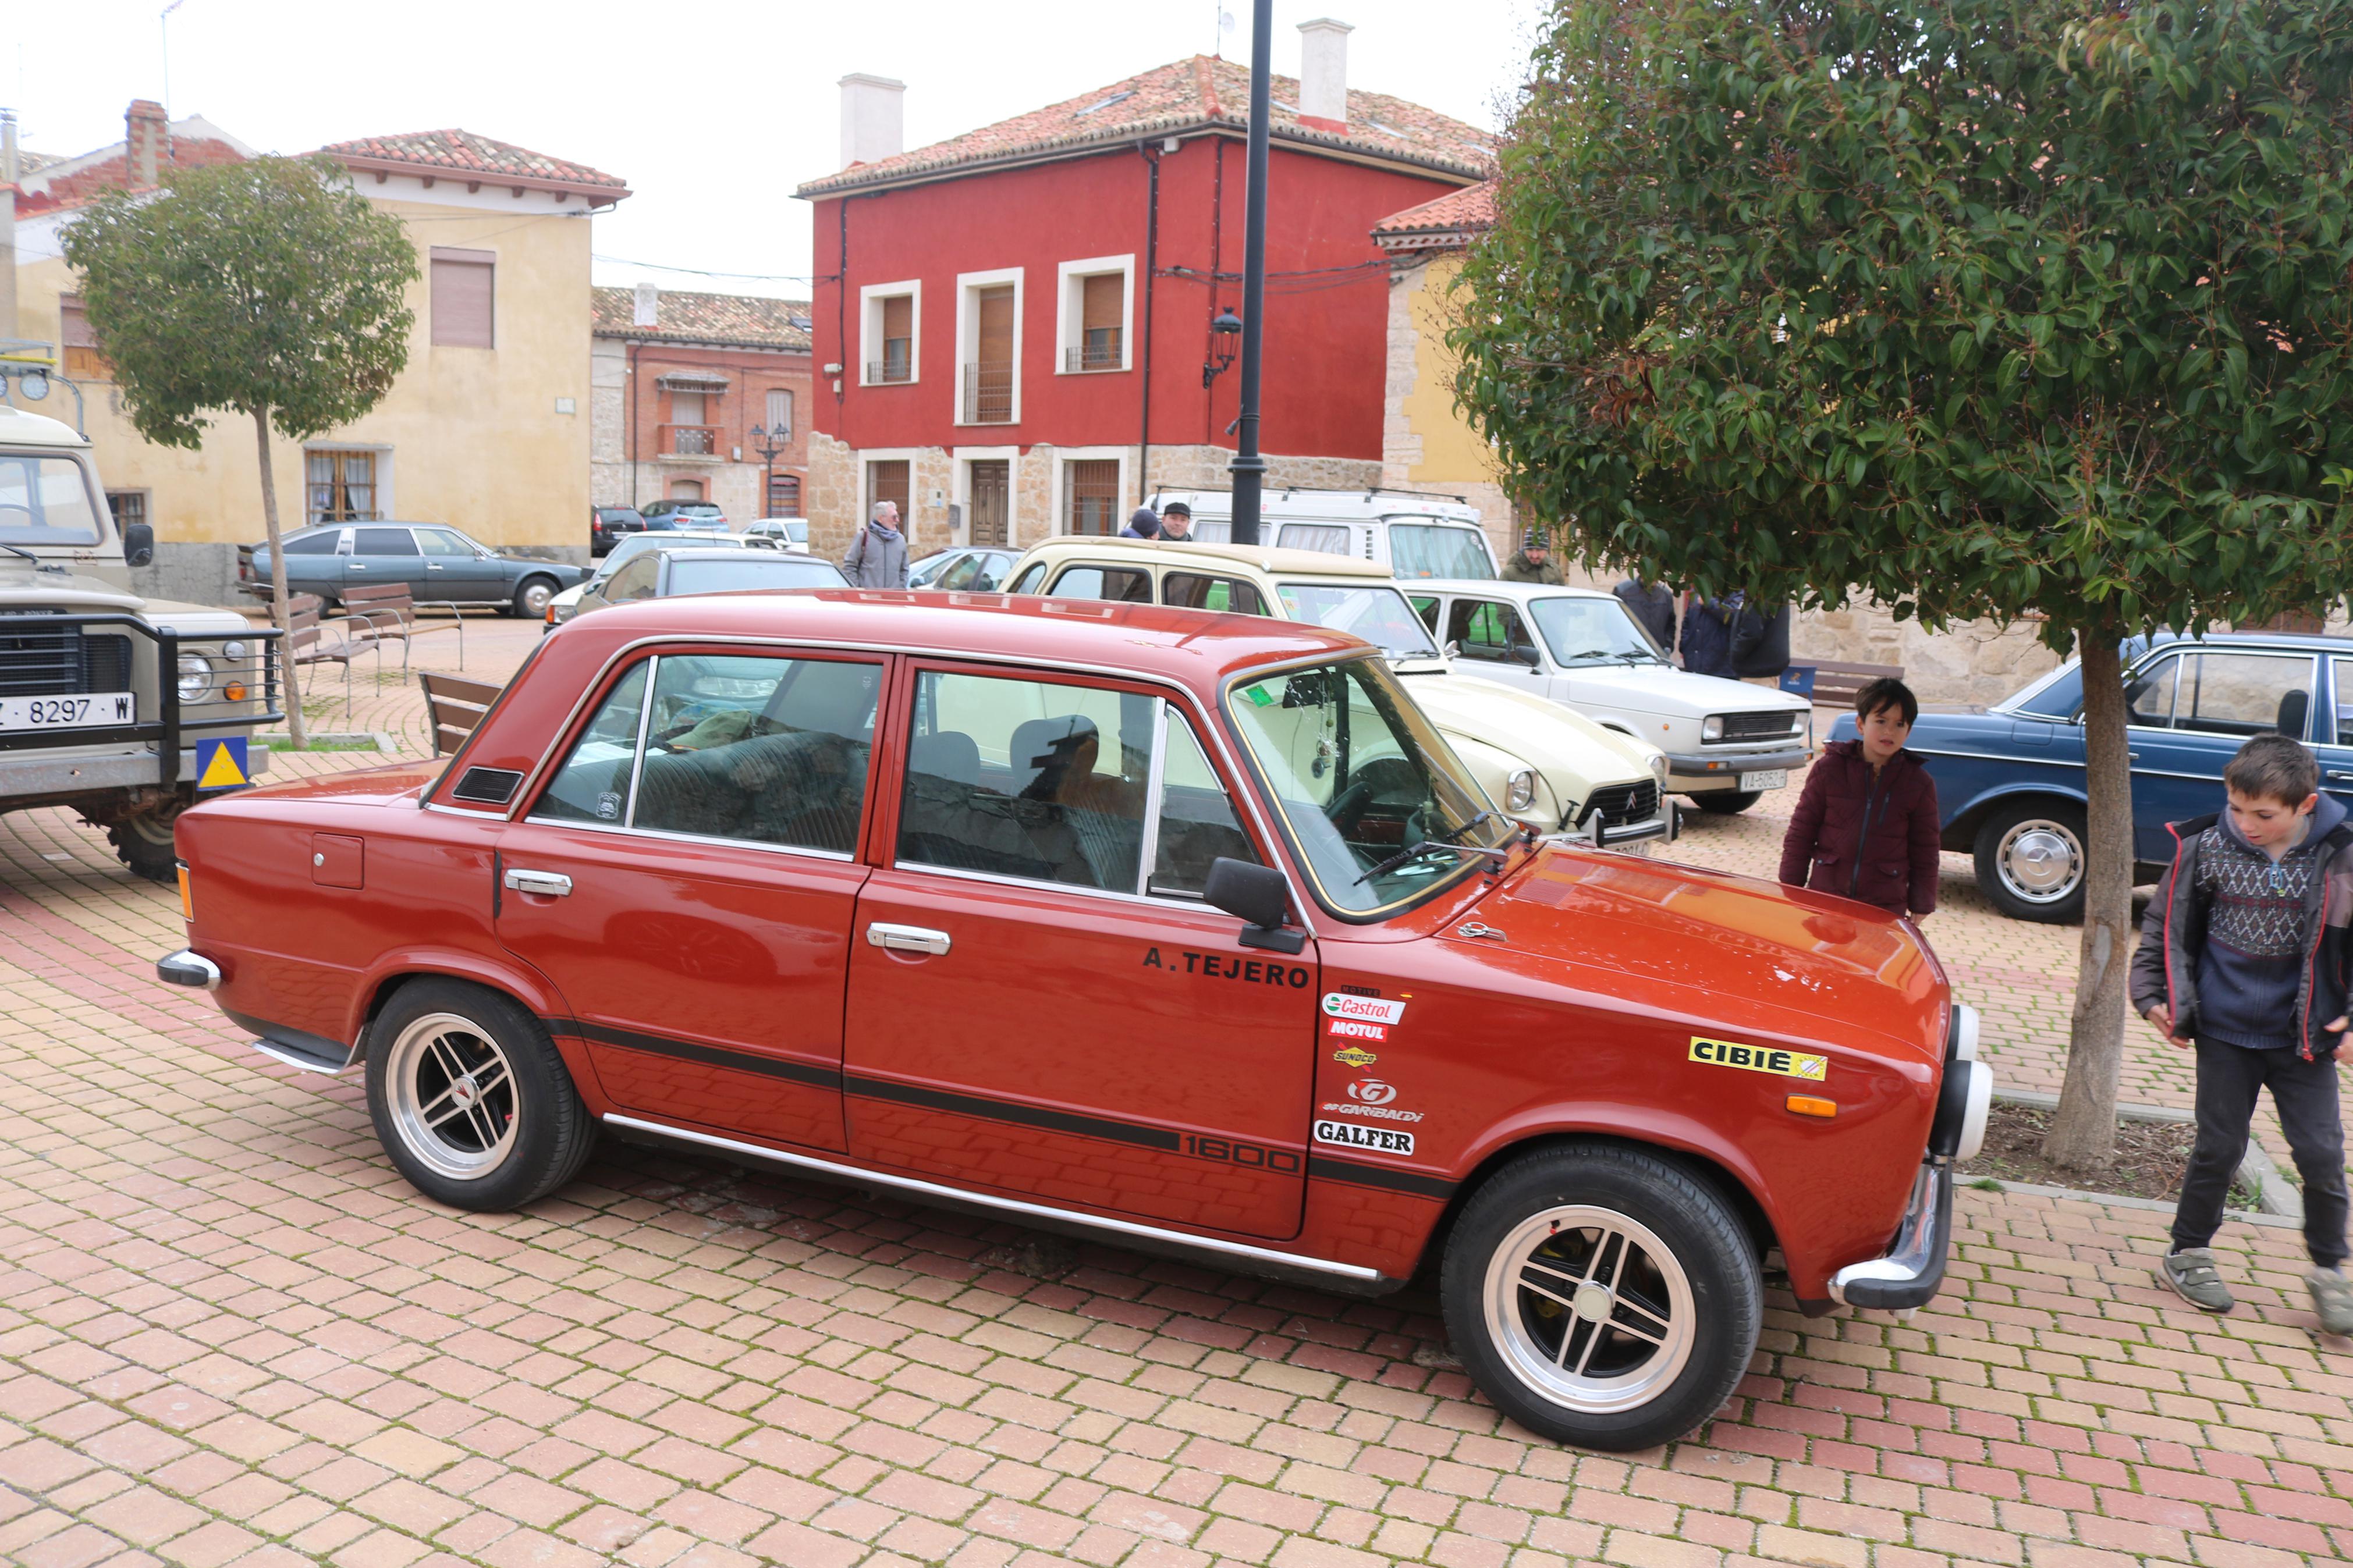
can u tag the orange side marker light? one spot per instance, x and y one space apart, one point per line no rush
1812 1105
187 904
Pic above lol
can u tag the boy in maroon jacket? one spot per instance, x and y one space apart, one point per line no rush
1866 824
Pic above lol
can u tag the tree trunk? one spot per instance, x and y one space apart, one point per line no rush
2083 1129
280 610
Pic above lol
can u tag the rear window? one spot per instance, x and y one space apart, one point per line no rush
315 543
1438 550
755 569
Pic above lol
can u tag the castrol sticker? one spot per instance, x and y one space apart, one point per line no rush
1363 1009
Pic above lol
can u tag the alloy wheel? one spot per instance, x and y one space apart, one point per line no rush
451 1093
1590 1308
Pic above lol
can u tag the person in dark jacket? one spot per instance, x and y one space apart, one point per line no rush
2244 956
1760 641
1653 605
1707 635
1144 524
1532 562
1865 826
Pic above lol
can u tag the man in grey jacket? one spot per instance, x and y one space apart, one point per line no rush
877 558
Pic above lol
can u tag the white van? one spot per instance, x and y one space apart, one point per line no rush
1413 535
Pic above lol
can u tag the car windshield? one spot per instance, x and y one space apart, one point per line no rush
1438 550
626 550
1379 616
1592 631
45 499
760 568
1361 777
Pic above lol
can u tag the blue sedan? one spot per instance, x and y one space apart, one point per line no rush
2009 779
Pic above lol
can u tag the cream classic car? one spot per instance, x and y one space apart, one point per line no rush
1541 762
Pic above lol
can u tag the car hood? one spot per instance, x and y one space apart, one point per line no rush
1736 950
1535 728
1658 688
23 587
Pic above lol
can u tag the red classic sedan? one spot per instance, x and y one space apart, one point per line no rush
1184 929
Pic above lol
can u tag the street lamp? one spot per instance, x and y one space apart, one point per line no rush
1225 334
768 443
1249 466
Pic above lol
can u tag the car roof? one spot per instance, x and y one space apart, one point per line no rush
23 427
2303 642
1496 586
1327 505
740 552
1265 557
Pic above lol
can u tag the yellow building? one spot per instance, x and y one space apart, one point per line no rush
487 428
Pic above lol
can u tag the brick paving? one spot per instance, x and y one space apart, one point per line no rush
230 1334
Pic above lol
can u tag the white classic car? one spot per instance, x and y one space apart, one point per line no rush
1727 741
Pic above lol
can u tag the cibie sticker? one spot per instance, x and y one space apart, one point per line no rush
1363 1009
1377 1140
1760 1059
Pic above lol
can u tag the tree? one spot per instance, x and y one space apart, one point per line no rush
1977 308
268 289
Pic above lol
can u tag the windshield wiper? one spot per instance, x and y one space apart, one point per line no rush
1444 844
27 554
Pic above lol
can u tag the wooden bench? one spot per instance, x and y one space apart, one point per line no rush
454 707
313 637
1836 683
390 612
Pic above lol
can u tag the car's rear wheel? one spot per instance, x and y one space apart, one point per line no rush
1728 802
532 595
471 1098
2031 861
1601 1296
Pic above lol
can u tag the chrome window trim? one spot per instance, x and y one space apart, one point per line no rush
998 879
645 722
667 836
1155 774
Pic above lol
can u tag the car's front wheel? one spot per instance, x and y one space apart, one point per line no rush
471 1098
1601 1296
144 842
532 595
2031 861
1727 802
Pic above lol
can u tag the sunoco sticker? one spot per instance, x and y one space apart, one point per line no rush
1366 1009
1760 1059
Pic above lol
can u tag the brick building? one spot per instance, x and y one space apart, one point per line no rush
680 381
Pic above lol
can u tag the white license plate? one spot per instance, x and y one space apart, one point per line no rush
87 711
1767 778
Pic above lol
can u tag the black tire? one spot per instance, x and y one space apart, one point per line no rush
2030 860
144 843
1702 1290
532 595
1728 802
510 1138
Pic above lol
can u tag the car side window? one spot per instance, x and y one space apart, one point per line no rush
960 574
989 576
1038 780
1427 608
1193 590
441 541
634 581
1196 823
315 543
1126 583
383 541
2242 694
1027 581
592 785
1485 629
2148 696
771 750
1325 538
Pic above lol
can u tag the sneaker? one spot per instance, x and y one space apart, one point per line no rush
2190 1274
2332 1297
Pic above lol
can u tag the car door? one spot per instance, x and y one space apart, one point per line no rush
2333 731
1027 1011
686 879
384 554
314 562
2187 723
456 570
1496 641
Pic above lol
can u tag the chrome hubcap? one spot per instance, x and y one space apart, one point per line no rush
2040 861
535 598
1589 1309
453 1096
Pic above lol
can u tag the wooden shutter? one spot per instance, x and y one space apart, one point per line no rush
462 297
1100 302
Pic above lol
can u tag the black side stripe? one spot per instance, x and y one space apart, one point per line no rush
689 1050
1386 1177
1023 1115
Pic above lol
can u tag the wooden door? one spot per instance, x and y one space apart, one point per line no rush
991 495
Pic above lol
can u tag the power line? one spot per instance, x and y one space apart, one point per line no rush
701 272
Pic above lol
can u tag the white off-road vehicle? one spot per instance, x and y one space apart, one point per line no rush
104 696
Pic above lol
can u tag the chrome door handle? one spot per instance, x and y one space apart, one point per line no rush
354 566
902 939
2338 775
547 884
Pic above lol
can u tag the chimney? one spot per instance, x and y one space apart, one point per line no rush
7 222
648 305
1324 73
143 140
874 118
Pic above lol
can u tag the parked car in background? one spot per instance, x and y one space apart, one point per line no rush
1543 763
666 573
561 607
963 570
1726 742
1098 916
607 524
2009 778
792 532
672 513
1414 535
438 566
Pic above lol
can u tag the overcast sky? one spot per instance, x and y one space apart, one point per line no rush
712 112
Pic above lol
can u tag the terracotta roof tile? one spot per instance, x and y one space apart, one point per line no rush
684 318
465 153
1456 216
1189 95
77 186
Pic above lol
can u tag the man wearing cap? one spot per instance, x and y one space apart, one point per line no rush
1144 524
1533 562
1176 524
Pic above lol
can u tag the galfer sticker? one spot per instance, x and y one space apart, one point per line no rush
1372 1140
1760 1059
1366 1009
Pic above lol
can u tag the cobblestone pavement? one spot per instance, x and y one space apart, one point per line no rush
230 1334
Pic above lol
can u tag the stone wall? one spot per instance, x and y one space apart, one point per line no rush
832 496
1978 662
1203 467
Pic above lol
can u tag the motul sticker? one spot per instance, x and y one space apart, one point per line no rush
1356 1030
1374 1139
1363 1009
1760 1059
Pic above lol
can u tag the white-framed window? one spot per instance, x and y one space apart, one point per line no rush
1091 486
463 305
780 413
988 347
346 484
890 342
887 473
1095 315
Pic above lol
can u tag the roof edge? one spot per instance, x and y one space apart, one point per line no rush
368 164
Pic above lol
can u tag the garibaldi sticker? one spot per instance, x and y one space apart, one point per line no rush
1760 1059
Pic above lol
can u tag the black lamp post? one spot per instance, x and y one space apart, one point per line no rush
768 443
1225 331
1248 467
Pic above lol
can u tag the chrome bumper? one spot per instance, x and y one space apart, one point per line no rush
1913 1272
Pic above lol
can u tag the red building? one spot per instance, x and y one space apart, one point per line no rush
1013 327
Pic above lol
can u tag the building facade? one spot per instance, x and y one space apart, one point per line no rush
682 382
487 427
1014 329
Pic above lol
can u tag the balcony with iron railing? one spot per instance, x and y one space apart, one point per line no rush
689 441
895 366
988 393
1102 351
